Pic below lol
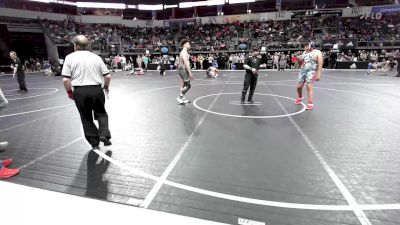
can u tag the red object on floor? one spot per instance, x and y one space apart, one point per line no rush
7 162
7 173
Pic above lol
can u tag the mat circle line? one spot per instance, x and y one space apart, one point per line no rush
365 207
395 206
246 199
248 117
54 90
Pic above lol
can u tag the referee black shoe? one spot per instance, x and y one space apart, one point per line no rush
250 101
106 141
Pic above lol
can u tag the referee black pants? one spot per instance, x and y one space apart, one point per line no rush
250 80
21 81
90 101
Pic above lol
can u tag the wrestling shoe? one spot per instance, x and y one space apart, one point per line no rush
298 101
310 106
185 101
105 140
180 100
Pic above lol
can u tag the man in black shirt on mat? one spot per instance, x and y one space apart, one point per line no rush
251 65
18 71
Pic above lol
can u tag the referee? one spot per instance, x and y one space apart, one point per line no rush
251 65
18 71
84 74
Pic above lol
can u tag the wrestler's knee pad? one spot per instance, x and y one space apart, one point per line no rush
187 84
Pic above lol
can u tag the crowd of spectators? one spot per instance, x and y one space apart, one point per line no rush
233 36
273 60
36 64
365 30
100 35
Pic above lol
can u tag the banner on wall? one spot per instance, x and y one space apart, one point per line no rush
282 15
356 11
328 13
240 18
386 9
149 23
344 43
178 22
211 20
301 15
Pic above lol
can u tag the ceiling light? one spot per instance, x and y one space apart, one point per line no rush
240 1
150 7
101 5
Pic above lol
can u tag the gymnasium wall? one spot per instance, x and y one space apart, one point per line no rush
283 15
7 12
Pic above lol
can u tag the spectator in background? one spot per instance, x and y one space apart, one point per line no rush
176 61
118 61
275 61
61 62
332 59
139 61
230 61
123 62
242 58
210 60
38 65
194 60
363 56
235 59
146 61
27 66
200 59
282 62
295 61
373 56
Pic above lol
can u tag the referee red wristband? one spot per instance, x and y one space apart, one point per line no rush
70 94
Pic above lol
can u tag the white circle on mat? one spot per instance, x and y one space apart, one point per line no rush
250 117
